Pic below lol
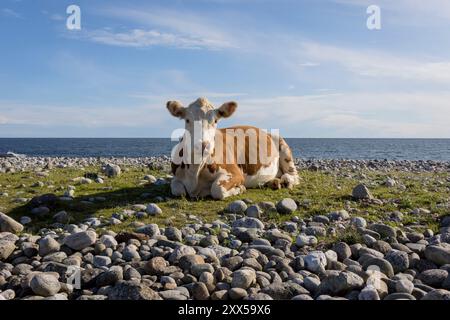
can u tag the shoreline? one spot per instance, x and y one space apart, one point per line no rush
26 163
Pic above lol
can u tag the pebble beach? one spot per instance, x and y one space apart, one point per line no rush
352 230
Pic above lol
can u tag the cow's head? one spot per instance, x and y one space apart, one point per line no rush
201 122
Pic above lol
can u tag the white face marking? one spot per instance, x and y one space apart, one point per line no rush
201 123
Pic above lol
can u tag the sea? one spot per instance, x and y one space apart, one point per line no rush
306 148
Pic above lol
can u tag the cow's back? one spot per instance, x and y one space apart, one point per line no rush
252 149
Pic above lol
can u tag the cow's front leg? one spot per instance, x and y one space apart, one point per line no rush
226 186
177 188
289 180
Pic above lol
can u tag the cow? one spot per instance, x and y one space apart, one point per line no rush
231 159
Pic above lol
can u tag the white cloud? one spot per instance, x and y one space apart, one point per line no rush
377 64
309 64
3 120
358 114
57 17
146 38
53 16
408 12
183 22
189 97
363 114
163 27
51 115
11 13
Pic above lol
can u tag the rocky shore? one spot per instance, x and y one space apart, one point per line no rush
33 163
243 252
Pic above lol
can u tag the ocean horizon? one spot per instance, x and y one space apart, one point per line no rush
308 148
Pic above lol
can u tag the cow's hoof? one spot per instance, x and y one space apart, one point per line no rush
288 181
274 184
218 192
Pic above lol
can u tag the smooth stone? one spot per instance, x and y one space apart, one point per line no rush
8 224
361 192
45 285
80 240
48 245
237 207
286 206
243 278
438 255
153 209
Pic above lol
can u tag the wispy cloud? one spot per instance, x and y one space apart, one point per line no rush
358 114
3 119
189 97
408 12
57 17
309 64
160 27
194 24
140 38
84 116
53 16
10 13
378 64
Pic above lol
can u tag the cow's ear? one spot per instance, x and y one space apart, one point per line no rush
176 109
227 109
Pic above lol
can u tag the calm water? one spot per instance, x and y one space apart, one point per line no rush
410 149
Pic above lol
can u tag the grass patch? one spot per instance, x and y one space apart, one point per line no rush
318 193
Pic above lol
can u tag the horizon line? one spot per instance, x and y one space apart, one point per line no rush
284 137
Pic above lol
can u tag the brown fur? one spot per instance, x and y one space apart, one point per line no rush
246 168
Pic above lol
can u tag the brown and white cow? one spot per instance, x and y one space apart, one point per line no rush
231 159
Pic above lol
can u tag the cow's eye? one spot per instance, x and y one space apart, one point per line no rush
187 120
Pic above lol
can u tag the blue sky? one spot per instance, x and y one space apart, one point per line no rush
310 68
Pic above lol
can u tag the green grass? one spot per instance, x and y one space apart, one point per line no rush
323 193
